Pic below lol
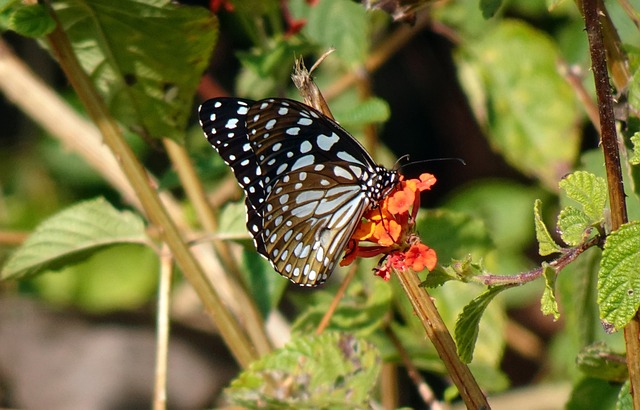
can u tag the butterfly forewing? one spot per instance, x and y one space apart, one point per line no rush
287 135
224 121
307 181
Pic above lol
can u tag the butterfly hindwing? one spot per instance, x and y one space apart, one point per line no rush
309 218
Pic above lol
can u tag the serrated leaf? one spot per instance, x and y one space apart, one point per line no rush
145 57
546 244
31 20
340 24
635 140
489 7
515 66
600 362
573 224
332 370
468 323
589 191
548 303
71 235
618 279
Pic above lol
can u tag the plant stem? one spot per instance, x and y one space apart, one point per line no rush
162 330
593 10
439 335
235 339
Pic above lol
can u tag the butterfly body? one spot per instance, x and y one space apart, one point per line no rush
307 181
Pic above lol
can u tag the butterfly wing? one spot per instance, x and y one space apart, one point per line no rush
308 182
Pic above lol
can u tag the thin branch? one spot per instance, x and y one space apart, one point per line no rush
439 335
336 299
574 78
521 278
162 330
423 388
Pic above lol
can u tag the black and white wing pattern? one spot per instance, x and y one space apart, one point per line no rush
307 181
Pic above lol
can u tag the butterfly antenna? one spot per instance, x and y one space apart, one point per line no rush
422 161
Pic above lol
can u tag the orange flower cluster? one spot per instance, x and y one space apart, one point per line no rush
390 231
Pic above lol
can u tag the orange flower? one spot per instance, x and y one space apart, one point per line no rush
390 231
401 201
420 256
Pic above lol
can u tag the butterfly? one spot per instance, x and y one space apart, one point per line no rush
307 181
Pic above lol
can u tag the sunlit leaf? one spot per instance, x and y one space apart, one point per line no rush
468 323
573 225
546 244
548 303
72 235
589 191
618 280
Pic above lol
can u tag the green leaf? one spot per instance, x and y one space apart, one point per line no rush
144 56
31 20
574 225
369 111
263 282
553 4
454 235
548 303
72 235
489 7
503 205
625 400
510 72
468 323
546 244
589 191
600 362
440 275
342 25
116 278
635 140
618 280
332 370
593 394
361 311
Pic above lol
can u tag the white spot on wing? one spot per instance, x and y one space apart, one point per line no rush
305 147
325 142
231 124
302 162
270 124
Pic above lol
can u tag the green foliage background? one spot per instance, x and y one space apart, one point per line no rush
146 59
